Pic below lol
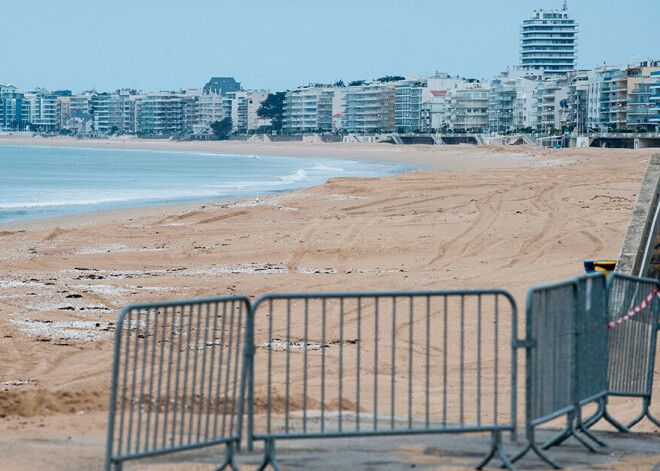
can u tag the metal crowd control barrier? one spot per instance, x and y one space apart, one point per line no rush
565 348
368 364
631 344
177 378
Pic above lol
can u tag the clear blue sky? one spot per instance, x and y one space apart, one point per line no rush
280 44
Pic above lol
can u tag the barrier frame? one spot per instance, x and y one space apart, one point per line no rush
602 412
575 425
496 448
232 441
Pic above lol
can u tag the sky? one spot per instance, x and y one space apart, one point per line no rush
155 45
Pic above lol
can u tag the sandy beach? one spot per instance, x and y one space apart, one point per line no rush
472 217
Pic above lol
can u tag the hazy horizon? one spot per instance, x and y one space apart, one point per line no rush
155 45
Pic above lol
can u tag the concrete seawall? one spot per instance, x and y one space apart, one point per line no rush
640 252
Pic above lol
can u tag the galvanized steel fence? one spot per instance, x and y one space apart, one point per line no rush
176 379
565 351
365 364
631 344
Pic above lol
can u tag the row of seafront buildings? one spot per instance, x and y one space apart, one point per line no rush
188 112
544 93
605 99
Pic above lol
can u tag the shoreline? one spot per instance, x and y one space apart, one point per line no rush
94 212
423 157
418 157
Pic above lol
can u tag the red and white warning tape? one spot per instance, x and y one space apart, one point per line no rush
636 309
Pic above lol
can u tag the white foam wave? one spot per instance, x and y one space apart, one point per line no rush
299 176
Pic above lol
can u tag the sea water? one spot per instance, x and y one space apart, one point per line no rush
38 181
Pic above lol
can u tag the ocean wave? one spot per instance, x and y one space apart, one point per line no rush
299 176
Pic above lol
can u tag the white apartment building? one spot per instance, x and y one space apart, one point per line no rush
41 109
254 100
611 89
113 113
597 96
525 107
409 98
469 107
11 104
160 114
438 111
437 101
552 103
234 106
370 107
511 105
107 113
210 109
308 109
578 98
548 42
638 97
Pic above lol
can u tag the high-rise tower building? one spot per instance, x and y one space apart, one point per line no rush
548 42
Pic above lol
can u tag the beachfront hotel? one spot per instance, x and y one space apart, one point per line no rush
548 42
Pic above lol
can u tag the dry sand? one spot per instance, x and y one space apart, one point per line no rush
487 217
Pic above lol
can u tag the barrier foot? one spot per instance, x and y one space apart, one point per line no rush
532 446
496 449
229 459
580 439
557 439
561 436
645 413
602 413
269 456
589 434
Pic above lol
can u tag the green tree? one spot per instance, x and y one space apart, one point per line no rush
339 83
391 78
221 129
356 83
273 107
